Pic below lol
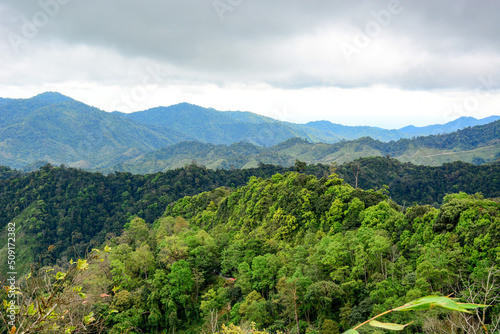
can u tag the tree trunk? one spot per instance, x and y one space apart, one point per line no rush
295 306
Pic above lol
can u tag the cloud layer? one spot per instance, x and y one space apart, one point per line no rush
281 44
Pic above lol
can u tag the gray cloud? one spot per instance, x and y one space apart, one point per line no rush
430 44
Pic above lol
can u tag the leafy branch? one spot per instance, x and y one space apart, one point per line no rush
52 303
423 303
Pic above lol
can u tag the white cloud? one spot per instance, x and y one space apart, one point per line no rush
264 56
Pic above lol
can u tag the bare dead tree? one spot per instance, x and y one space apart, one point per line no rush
483 290
356 168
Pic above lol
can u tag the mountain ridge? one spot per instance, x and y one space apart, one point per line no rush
73 133
457 124
57 129
328 132
475 145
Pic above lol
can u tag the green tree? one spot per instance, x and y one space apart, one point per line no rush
181 285
211 305
254 308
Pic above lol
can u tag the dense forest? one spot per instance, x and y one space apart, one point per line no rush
289 253
314 253
293 244
73 209
409 184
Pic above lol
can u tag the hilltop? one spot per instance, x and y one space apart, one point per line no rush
53 128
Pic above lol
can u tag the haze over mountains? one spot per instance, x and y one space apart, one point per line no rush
54 128
477 145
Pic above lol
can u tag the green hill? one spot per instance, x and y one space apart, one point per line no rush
53 128
60 130
294 251
216 127
73 209
408 183
192 249
477 145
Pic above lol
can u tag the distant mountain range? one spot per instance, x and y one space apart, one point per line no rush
477 145
54 128
228 127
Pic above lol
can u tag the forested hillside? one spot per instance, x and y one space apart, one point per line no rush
73 209
477 145
294 251
53 128
314 253
409 184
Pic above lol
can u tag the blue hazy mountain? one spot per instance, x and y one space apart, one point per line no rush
477 145
54 128
57 129
217 127
228 127
459 123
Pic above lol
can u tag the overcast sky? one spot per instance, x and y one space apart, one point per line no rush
380 63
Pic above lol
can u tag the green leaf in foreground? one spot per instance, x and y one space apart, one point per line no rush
423 303
447 303
385 325
60 275
471 306
89 318
82 264
31 309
